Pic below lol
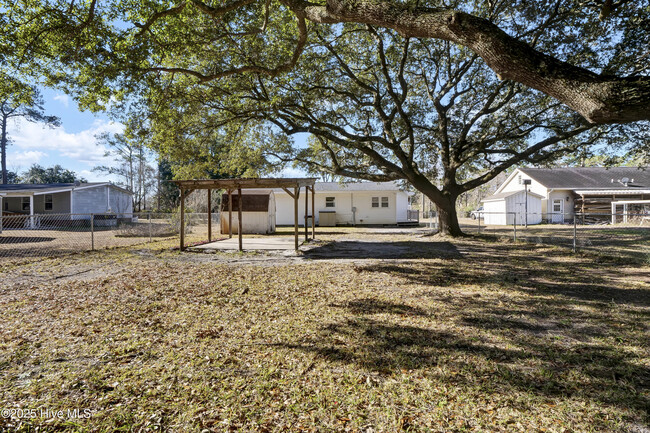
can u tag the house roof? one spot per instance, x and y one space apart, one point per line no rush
590 177
42 188
502 195
354 186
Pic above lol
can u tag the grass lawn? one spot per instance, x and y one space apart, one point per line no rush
447 336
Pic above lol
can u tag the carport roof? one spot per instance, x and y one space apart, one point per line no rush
295 182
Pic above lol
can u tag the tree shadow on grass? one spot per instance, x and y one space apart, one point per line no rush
24 239
354 249
542 366
587 282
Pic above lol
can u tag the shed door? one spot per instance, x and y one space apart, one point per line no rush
557 215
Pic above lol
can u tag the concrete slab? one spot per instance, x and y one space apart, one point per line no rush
266 243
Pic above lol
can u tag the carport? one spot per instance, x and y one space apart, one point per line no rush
292 186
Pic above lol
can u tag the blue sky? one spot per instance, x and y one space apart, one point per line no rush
72 145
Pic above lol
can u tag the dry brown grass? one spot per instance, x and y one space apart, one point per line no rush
463 335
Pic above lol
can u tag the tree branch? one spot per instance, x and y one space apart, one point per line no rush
599 99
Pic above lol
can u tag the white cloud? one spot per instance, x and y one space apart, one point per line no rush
24 159
80 146
290 172
63 99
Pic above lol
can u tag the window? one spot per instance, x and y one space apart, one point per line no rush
48 201
375 202
25 203
557 205
329 202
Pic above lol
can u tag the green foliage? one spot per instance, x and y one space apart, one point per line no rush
54 174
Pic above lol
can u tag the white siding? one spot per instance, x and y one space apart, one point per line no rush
517 203
512 184
252 222
342 207
366 214
560 194
494 212
402 205
500 212
344 201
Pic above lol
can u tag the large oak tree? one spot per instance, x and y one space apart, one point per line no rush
197 58
382 107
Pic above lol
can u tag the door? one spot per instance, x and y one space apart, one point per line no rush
558 211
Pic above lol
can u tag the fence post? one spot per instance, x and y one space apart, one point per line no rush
149 218
479 223
514 225
575 232
92 232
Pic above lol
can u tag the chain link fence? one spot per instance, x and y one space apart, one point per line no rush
620 234
55 234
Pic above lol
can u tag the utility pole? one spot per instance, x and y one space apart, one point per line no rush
526 182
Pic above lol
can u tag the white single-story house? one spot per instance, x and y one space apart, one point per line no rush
590 191
66 200
507 207
358 203
258 212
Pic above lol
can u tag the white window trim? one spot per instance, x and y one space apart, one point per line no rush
330 201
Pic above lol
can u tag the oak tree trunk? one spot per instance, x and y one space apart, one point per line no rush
445 204
448 217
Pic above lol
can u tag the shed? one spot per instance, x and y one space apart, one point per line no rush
258 212
500 209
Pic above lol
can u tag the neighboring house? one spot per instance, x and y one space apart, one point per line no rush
359 203
66 200
258 212
591 191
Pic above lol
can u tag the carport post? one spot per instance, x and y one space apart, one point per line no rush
313 214
306 212
209 215
182 219
230 213
239 217
575 232
296 191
